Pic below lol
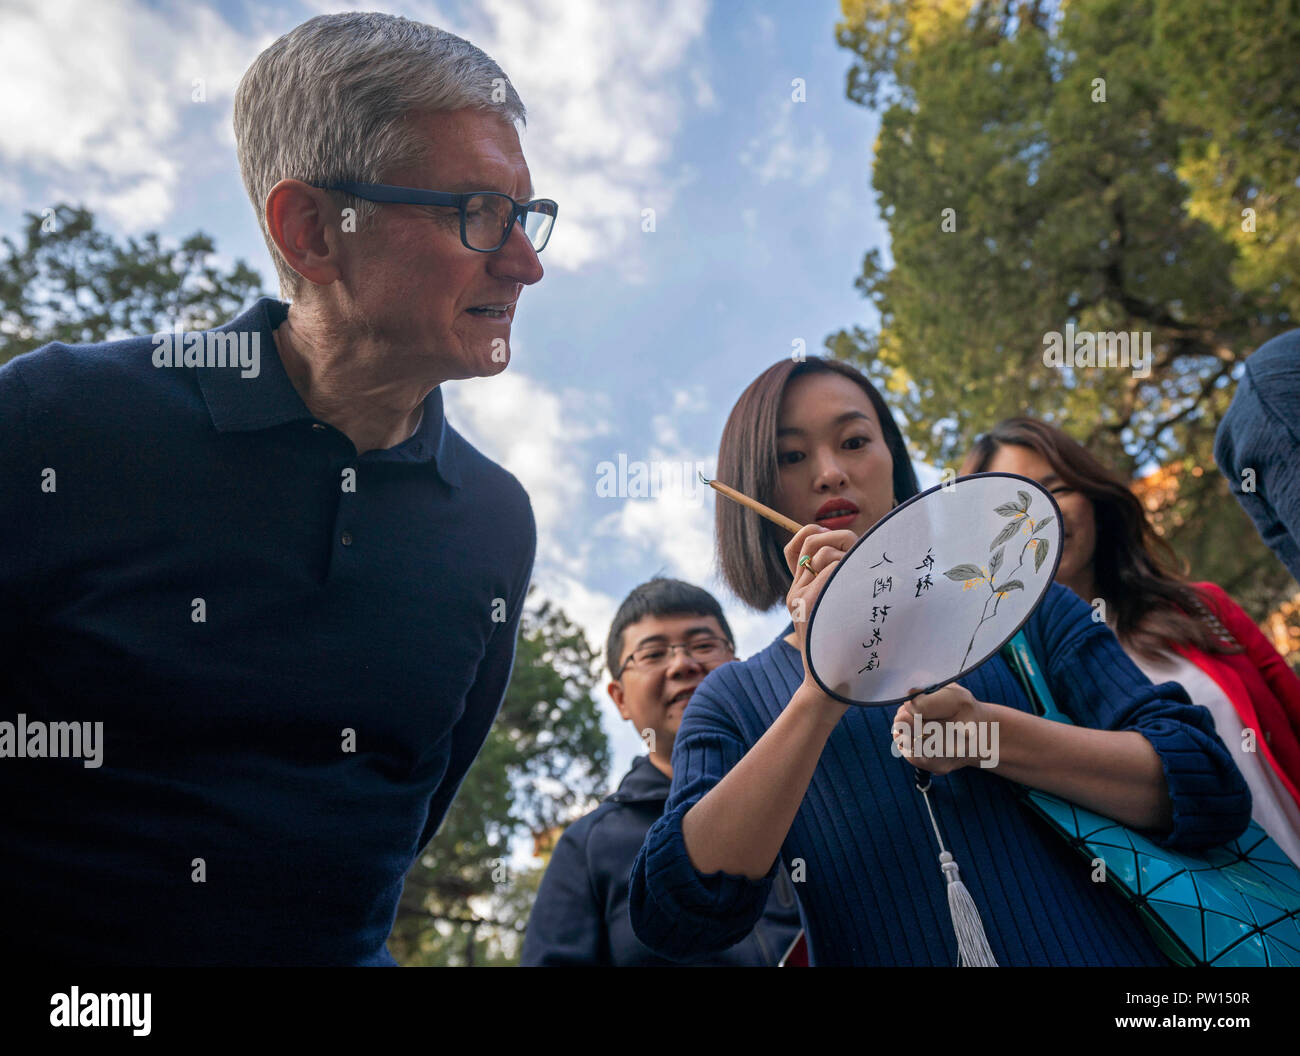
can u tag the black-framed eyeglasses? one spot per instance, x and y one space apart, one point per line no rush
655 655
486 217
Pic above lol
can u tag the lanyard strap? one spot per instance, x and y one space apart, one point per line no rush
1021 659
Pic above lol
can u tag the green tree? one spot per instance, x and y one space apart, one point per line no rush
70 281
1231 76
1043 164
545 760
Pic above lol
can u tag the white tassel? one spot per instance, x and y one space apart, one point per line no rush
972 944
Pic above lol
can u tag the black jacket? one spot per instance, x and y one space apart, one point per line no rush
581 916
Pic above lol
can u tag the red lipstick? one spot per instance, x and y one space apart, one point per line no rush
836 513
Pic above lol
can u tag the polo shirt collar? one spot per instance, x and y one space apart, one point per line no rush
239 404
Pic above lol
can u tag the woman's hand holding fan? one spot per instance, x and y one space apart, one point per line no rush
811 556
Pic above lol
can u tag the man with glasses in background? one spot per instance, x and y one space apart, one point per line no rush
666 636
284 587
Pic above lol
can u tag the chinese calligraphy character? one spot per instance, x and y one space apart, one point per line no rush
872 663
881 586
923 584
883 561
928 562
879 612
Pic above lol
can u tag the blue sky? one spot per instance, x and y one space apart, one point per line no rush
636 343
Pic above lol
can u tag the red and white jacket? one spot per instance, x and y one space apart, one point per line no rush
1258 682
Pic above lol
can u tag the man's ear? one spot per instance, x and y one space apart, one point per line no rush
615 692
304 224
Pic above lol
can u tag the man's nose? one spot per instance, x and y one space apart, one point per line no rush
516 261
680 660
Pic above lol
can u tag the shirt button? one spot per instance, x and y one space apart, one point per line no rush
317 427
346 538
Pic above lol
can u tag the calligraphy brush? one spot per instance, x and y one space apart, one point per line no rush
763 511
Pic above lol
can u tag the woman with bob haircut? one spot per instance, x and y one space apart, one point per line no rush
1175 631
766 766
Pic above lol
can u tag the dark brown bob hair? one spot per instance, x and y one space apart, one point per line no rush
1134 569
749 547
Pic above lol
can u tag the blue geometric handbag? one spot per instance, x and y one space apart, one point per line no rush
1234 905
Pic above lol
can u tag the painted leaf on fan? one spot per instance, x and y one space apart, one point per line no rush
1007 532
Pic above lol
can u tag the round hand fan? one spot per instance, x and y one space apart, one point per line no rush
934 589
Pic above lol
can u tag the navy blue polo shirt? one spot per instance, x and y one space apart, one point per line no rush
295 654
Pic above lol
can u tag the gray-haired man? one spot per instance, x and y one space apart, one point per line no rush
290 594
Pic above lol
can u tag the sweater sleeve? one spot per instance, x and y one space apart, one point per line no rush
484 699
1097 685
1272 668
1256 449
21 504
677 911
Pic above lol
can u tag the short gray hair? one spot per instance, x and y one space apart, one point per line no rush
329 100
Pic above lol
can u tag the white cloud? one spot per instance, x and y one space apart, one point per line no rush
144 202
537 435
789 149
675 529
10 191
592 610
705 99
664 426
754 631
691 400
104 90
601 83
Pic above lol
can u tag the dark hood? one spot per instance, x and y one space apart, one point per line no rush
644 783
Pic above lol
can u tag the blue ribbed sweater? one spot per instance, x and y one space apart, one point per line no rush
873 892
